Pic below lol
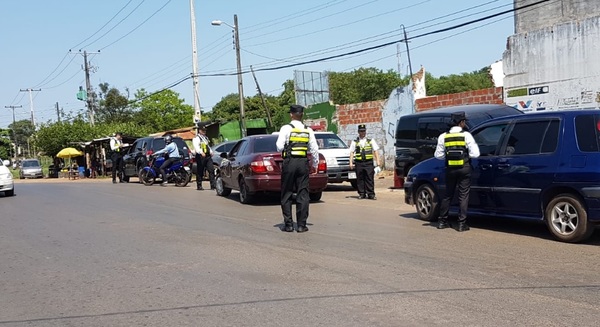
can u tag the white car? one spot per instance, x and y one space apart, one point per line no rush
337 155
7 184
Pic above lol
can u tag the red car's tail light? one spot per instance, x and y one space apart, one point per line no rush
261 166
322 167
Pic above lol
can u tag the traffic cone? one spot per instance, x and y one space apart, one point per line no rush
398 181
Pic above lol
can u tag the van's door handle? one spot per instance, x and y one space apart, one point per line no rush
485 166
503 165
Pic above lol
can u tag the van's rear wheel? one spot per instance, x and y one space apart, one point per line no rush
567 219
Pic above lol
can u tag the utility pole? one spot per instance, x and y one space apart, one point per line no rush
262 98
31 103
239 74
57 113
88 87
13 130
407 51
197 109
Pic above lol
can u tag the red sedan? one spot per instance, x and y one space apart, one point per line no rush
253 166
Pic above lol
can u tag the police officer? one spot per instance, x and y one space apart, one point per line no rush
295 141
116 147
456 147
362 152
203 158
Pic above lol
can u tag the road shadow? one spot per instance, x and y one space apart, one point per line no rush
281 226
339 188
528 228
265 199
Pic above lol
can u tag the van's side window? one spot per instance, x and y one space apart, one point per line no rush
587 128
488 139
528 138
431 130
407 128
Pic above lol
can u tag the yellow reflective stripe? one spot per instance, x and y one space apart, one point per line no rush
455 143
298 139
456 162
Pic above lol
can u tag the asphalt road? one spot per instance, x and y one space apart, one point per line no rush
90 253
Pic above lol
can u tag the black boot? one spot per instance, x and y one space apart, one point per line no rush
462 226
442 224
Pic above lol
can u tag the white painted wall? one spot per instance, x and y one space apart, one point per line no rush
557 67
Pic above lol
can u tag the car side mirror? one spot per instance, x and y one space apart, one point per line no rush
223 155
138 149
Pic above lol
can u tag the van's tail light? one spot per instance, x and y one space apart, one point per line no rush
262 166
322 167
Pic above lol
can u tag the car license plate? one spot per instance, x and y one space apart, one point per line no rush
186 168
351 175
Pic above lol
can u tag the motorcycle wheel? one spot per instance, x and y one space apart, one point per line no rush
146 177
181 177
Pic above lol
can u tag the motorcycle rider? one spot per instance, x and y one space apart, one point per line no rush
172 156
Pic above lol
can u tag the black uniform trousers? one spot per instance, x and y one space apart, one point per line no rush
202 164
365 175
117 165
457 179
294 177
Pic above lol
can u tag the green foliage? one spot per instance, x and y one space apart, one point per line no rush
112 107
362 85
5 141
161 111
23 130
476 80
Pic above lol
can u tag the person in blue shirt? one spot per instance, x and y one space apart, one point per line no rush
172 156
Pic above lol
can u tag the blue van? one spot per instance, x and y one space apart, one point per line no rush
540 166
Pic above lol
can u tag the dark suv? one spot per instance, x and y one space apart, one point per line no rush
537 166
135 158
417 134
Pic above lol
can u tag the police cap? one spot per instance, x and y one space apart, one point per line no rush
296 109
362 127
458 116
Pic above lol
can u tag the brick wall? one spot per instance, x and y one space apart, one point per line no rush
486 96
349 116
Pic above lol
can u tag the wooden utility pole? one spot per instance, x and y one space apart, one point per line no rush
262 98
88 88
13 130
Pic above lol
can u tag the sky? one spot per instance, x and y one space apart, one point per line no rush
135 44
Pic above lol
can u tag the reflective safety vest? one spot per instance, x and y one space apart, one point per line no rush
457 153
204 145
117 143
297 146
364 153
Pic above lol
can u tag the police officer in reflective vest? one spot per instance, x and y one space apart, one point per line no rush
295 141
116 147
203 158
456 147
362 152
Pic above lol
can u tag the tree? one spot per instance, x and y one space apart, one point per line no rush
362 85
161 111
476 80
6 150
23 129
113 107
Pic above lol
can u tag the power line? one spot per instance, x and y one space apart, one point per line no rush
103 26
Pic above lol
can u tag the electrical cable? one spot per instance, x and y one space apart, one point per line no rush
60 63
133 30
103 26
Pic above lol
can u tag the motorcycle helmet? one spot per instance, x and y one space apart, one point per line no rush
168 139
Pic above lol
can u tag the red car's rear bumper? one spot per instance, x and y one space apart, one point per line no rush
272 183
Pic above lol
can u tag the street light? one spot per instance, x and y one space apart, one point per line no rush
239 69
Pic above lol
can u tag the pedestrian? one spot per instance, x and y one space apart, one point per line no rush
116 147
363 154
456 147
295 141
203 158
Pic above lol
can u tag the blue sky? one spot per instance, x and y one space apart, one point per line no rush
147 44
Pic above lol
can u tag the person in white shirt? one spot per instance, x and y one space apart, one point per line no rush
116 147
203 158
456 147
295 141
362 153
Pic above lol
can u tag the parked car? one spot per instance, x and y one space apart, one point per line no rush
219 148
417 134
7 184
135 158
30 168
337 156
253 166
538 166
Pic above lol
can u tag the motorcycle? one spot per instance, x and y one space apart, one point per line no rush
178 173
